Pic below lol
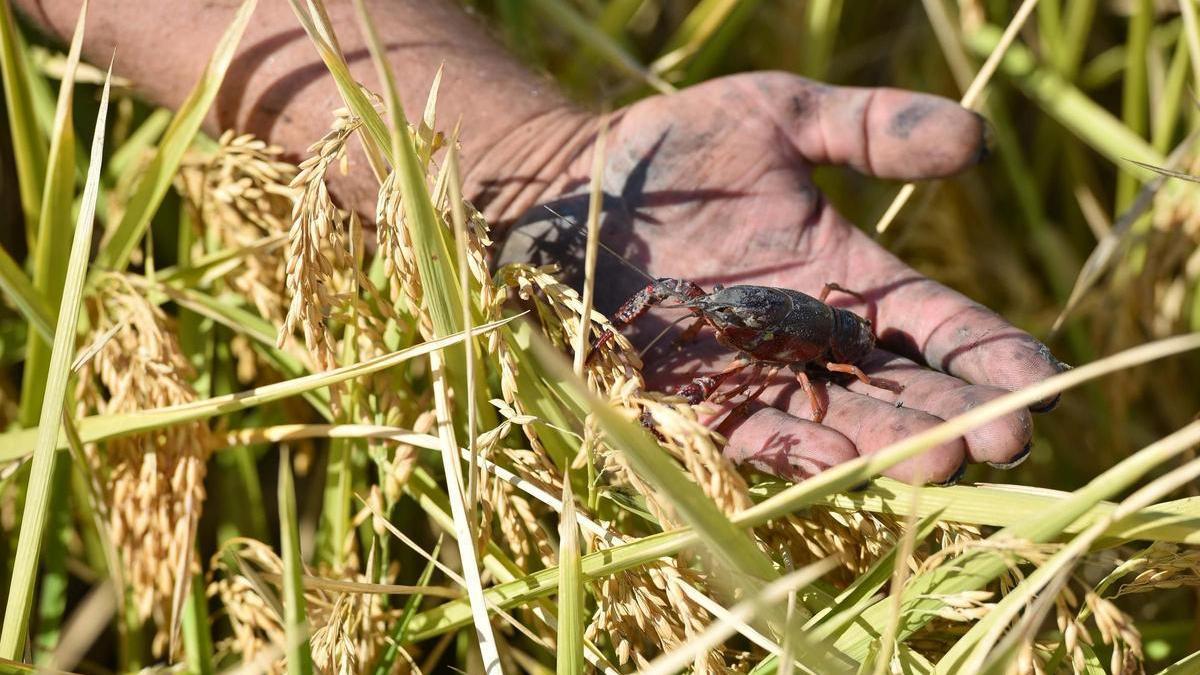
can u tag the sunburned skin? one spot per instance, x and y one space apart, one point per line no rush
710 184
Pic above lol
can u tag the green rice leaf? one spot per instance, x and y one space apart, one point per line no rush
33 520
1065 103
53 244
697 28
20 290
973 570
197 639
295 623
29 147
439 279
970 651
139 142
156 180
400 630
1000 506
571 619
570 20
1188 665
17 444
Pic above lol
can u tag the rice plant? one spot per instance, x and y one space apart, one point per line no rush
243 429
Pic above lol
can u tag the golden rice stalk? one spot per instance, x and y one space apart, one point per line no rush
1117 629
255 620
350 629
683 436
558 308
155 482
318 227
1163 565
646 612
240 195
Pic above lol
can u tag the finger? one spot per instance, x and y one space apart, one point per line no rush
782 445
890 133
920 318
872 424
1004 441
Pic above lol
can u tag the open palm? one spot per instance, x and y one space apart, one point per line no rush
713 184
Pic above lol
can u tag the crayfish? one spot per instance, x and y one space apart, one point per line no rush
770 328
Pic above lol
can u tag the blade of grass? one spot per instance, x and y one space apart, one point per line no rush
974 647
1104 255
446 308
1188 665
890 640
772 594
197 639
612 22
14 445
295 621
459 217
823 19
122 159
570 20
29 146
1134 92
33 520
584 336
708 60
970 98
1002 505
973 570
400 629
456 613
53 243
29 302
696 29
156 180
465 533
570 589
1082 116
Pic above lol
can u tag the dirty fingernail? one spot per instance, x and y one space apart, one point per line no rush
958 475
1045 406
1016 460
987 140
1049 404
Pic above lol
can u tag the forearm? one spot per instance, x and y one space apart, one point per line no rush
514 124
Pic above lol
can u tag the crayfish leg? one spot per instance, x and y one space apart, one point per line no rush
595 346
857 372
831 287
699 389
814 401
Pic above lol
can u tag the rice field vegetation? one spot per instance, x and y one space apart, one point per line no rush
243 430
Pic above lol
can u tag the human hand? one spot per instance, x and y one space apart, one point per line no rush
713 185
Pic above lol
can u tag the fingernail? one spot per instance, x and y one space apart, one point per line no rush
1015 461
1049 404
958 475
987 139
1045 406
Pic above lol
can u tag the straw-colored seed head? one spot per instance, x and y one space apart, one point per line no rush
154 487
